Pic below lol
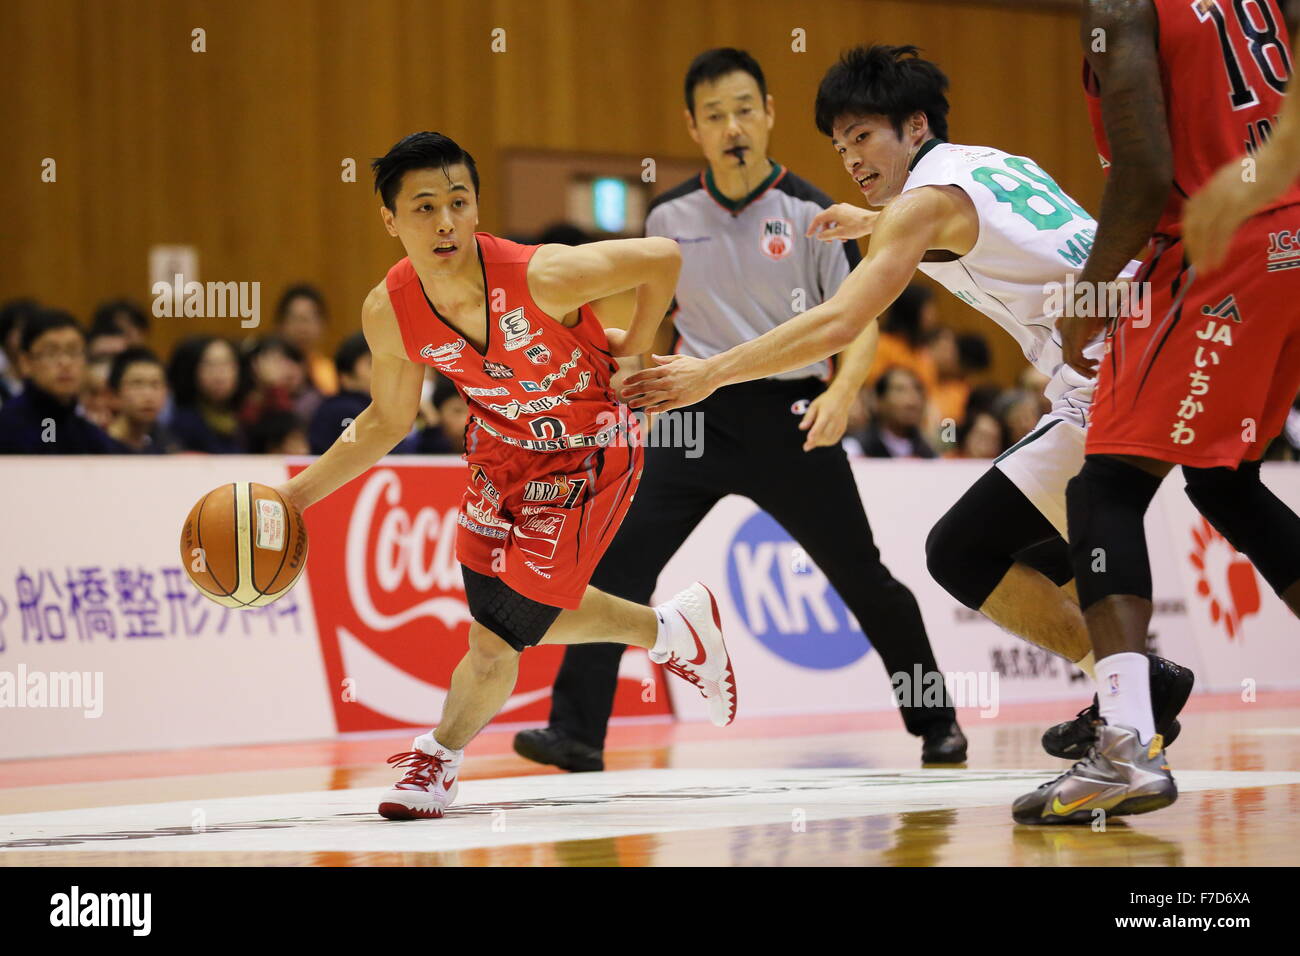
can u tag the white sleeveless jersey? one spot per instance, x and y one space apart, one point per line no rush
1031 237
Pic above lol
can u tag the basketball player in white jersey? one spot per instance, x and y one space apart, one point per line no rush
1000 234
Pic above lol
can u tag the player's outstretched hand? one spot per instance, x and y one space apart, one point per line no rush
1076 332
827 419
674 381
1212 215
842 221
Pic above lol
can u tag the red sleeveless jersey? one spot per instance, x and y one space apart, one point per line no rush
537 384
1224 66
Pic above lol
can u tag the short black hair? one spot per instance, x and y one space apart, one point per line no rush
299 290
444 390
882 383
101 332
48 320
417 151
882 80
253 348
563 234
903 317
270 430
106 315
15 313
135 355
718 62
973 352
350 352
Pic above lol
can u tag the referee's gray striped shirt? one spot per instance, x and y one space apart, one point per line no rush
742 261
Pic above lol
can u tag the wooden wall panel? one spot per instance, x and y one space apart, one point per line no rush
237 150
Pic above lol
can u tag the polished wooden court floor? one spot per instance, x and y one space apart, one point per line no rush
810 791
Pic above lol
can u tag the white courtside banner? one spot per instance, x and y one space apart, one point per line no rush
104 645
798 650
107 645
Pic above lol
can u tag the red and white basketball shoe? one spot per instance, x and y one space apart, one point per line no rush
429 787
696 651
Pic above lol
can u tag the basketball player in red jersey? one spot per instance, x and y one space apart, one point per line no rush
553 466
1176 89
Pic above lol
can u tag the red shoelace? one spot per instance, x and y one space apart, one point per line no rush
422 768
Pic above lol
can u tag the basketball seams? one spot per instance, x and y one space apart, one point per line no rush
198 539
288 543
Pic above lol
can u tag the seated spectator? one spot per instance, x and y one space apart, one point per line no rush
352 363
138 383
43 419
13 315
122 317
300 319
904 330
96 400
981 435
277 380
208 385
956 359
1019 411
895 429
277 433
441 424
103 344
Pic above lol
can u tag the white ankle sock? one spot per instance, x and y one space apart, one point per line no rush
669 626
428 743
1124 692
1087 664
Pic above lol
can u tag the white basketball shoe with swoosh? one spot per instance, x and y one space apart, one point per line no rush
695 651
430 785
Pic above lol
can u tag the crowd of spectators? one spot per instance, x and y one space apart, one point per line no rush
74 389
100 388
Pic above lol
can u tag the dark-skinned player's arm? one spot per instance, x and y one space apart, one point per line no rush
563 278
904 232
1216 211
395 386
1142 162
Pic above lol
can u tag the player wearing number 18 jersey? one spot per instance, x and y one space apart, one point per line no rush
1178 88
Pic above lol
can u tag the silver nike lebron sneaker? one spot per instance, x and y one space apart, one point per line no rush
1120 775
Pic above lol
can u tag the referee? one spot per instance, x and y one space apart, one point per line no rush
741 228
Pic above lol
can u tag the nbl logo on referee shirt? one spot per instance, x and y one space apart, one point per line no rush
777 240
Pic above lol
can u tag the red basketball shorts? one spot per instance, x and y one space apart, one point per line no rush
1206 378
540 521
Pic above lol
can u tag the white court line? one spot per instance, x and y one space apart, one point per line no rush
544 809
1272 731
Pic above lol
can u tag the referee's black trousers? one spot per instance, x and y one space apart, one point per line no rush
753 447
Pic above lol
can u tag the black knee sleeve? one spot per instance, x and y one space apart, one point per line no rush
1251 517
519 621
970 549
1106 503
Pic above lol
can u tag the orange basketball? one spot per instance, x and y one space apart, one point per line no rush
243 545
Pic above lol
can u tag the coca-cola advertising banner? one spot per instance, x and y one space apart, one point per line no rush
390 605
